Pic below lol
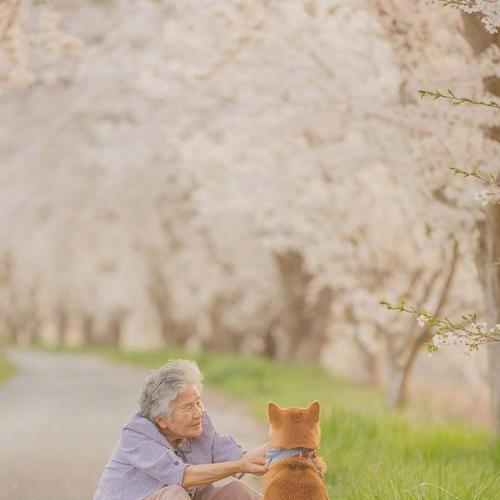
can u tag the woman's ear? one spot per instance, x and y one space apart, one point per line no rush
161 422
313 411
274 412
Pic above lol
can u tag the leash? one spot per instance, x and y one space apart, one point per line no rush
309 456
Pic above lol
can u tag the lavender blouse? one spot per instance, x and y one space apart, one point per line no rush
143 461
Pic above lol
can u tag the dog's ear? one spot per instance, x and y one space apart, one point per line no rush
274 412
313 411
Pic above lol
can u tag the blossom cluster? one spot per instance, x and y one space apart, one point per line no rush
31 31
490 10
467 334
487 197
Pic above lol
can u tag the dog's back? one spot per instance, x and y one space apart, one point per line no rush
294 479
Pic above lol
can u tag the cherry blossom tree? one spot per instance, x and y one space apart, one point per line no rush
236 175
481 23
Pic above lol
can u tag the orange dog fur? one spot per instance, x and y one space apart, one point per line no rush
295 478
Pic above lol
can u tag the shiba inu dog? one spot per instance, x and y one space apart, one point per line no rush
295 472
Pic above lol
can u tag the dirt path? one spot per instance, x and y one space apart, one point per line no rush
61 415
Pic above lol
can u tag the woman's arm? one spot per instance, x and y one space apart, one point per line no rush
253 462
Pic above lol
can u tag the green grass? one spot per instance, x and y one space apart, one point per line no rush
7 369
372 453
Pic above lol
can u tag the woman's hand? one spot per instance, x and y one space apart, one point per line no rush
254 461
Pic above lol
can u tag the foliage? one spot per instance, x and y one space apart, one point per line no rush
457 101
468 333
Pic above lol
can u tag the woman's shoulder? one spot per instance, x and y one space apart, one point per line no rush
208 425
140 427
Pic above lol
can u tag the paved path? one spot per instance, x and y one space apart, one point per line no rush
61 415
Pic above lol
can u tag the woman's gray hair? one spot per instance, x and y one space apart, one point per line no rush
163 385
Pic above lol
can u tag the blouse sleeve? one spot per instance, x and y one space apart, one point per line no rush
152 458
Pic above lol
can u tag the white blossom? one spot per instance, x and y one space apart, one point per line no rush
437 340
421 320
489 10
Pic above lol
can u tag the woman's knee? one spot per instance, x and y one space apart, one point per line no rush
170 492
238 490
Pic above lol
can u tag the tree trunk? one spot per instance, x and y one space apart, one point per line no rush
426 334
88 329
314 337
371 362
489 248
395 389
305 324
173 331
295 282
223 338
12 329
492 299
270 349
115 326
62 323
401 369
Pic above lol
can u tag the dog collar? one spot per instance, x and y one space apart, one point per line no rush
308 454
276 454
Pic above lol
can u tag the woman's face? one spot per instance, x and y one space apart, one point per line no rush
186 419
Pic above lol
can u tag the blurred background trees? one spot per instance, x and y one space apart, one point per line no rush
246 176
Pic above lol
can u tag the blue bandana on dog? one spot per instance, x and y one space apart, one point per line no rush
275 454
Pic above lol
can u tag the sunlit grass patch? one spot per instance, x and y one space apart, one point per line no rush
7 369
387 457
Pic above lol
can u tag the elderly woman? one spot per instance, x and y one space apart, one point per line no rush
170 449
